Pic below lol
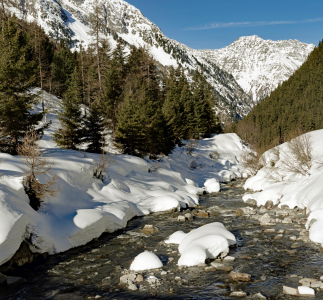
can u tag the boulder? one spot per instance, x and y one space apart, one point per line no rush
240 276
149 229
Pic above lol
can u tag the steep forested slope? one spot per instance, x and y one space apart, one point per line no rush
296 104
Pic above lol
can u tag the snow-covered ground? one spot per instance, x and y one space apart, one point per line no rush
86 207
274 182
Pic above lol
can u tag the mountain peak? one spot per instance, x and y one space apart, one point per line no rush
258 65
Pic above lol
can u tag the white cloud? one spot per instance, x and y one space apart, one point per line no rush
217 25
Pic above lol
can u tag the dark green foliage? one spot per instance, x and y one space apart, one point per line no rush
18 74
63 65
296 104
94 130
140 125
70 134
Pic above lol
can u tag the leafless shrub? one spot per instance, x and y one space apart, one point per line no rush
214 155
251 161
155 166
101 166
191 146
194 165
37 164
298 158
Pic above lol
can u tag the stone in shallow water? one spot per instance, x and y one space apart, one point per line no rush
209 269
296 245
290 291
240 276
181 218
132 287
316 284
229 258
306 291
238 294
264 220
189 217
3 278
221 267
11 280
149 229
278 237
271 230
269 204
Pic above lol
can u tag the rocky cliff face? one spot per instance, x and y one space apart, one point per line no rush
258 65
69 20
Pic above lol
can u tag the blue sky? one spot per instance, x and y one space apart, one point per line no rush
213 24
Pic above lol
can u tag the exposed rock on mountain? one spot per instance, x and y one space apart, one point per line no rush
69 20
258 65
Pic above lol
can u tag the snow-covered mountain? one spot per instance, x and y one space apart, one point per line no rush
69 19
259 65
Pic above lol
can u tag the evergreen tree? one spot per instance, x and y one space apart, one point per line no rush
94 130
114 82
70 134
18 74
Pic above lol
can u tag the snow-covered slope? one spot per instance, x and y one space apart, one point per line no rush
259 65
86 207
69 20
277 182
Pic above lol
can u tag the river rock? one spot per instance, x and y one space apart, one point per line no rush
271 230
149 229
238 294
209 269
290 291
229 259
316 284
202 213
189 217
163 273
264 220
139 278
284 207
3 278
181 218
252 202
11 280
240 276
305 291
296 245
269 204
221 267
307 281
262 209
287 220
239 212
293 238
258 296
132 287
128 278
278 237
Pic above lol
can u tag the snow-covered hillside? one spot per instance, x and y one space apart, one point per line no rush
259 65
69 20
277 182
86 207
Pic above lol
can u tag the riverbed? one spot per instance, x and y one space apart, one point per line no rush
273 258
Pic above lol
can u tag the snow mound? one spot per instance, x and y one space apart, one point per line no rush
208 241
215 228
212 185
146 261
208 246
176 238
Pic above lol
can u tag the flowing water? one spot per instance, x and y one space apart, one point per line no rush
93 271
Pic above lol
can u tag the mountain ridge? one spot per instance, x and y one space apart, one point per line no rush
259 65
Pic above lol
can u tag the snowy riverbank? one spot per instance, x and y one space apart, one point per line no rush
275 182
86 207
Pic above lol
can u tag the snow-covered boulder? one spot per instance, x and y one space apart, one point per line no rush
146 261
212 185
176 238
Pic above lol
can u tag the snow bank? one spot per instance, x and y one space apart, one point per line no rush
86 207
208 241
146 261
290 188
